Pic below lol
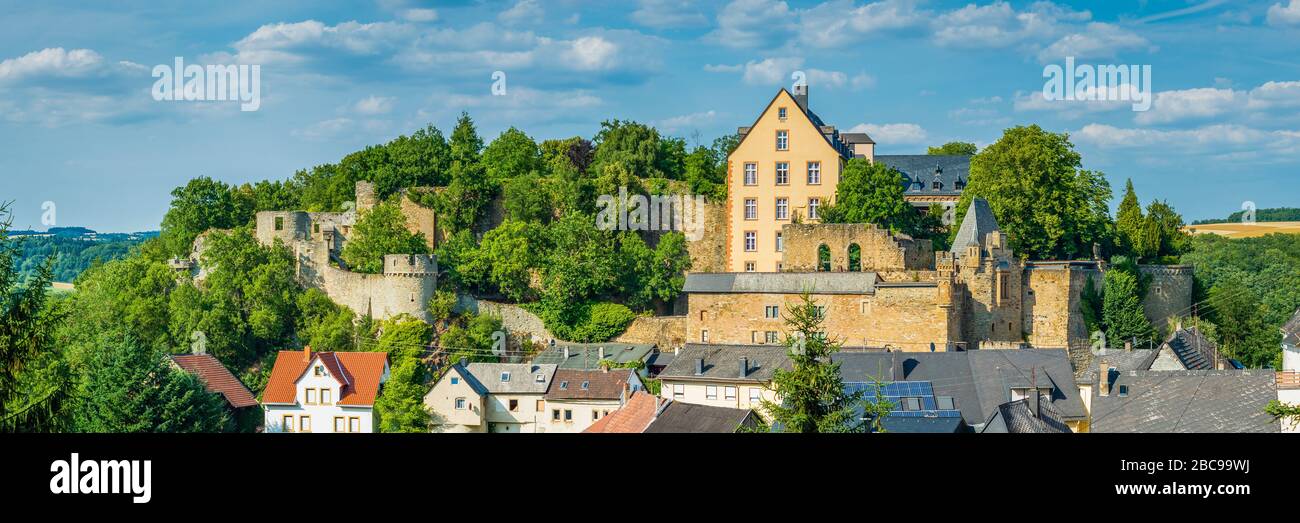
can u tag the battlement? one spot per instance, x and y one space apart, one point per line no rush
415 265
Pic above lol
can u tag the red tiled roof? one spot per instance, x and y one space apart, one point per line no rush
634 417
601 385
216 378
358 372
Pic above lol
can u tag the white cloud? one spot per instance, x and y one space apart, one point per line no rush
863 81
1220 141
592 53
1207 102
686 121
293 42
724 68
523 12
771 71
324 129
1097 40
839 22
1284 15
54 62
373 105
1000 25
664 14
892 133
420 15
752 23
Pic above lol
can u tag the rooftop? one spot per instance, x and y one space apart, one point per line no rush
1018 417
1291 331
359 375
978 223
782 282
679 417
569 384
1194 349
587 356
1189 401
216 378
633 417
722 362
513 378
920 171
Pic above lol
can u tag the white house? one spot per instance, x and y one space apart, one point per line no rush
458 402
733 376
491 397
324 391
578 398
1288 380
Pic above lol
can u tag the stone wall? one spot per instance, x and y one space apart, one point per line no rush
709 252
880 250
994 302
902 316
1051 303
1169 294
519 323
420 219
666 332
380 295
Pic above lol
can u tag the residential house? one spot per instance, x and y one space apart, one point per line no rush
1288 379
516 394
216 379
786 167
578 398
658 361
972 383
458 401
733 376
1185 401
633 418
323 391
691 418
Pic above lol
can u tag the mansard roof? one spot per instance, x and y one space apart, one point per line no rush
920 171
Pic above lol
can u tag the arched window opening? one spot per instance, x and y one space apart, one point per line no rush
823 258
855 257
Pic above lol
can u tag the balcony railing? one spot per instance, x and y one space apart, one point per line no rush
1288 380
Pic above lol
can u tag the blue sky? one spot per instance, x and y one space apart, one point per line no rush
81 129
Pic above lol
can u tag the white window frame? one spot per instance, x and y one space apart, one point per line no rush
780 246
814 173
813 205
751 241
783 173
782 140
783 208
730 393
751 208
710 392
461 404
751 173
679 390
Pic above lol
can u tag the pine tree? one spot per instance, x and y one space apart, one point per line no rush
26 325
1122 306
1129 221
131 388
812 395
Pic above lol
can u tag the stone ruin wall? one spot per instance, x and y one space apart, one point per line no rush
881 251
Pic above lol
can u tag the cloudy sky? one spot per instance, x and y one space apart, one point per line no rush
81 129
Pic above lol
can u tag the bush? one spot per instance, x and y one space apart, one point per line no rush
586 322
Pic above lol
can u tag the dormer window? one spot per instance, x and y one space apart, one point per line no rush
961 184
505 376
938 185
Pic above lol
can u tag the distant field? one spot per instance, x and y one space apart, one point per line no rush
1246 230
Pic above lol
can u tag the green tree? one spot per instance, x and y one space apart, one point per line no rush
1122 311
324 325
400 407
462 202
380 231
634 145
529 197
1162 236
511 155
129 388
962 148
1032 179
813 397
26 338
506 258
1129 221
471 338
871 192
657 275
201 204
402 337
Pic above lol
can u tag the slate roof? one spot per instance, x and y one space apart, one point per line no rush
722 362
633 417
216 378
856 138
921 170
1193 348
1120 360
978 381
522 380
679 417
359 374
978 223
1018 417
600 385
586 356
1186 401
782 282
901 425
1291 331
469 379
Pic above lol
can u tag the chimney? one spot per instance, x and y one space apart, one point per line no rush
463 361
744 367
1035 404
699 366
801 95
1128 345
1103 385
566 352
601 354
306 353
